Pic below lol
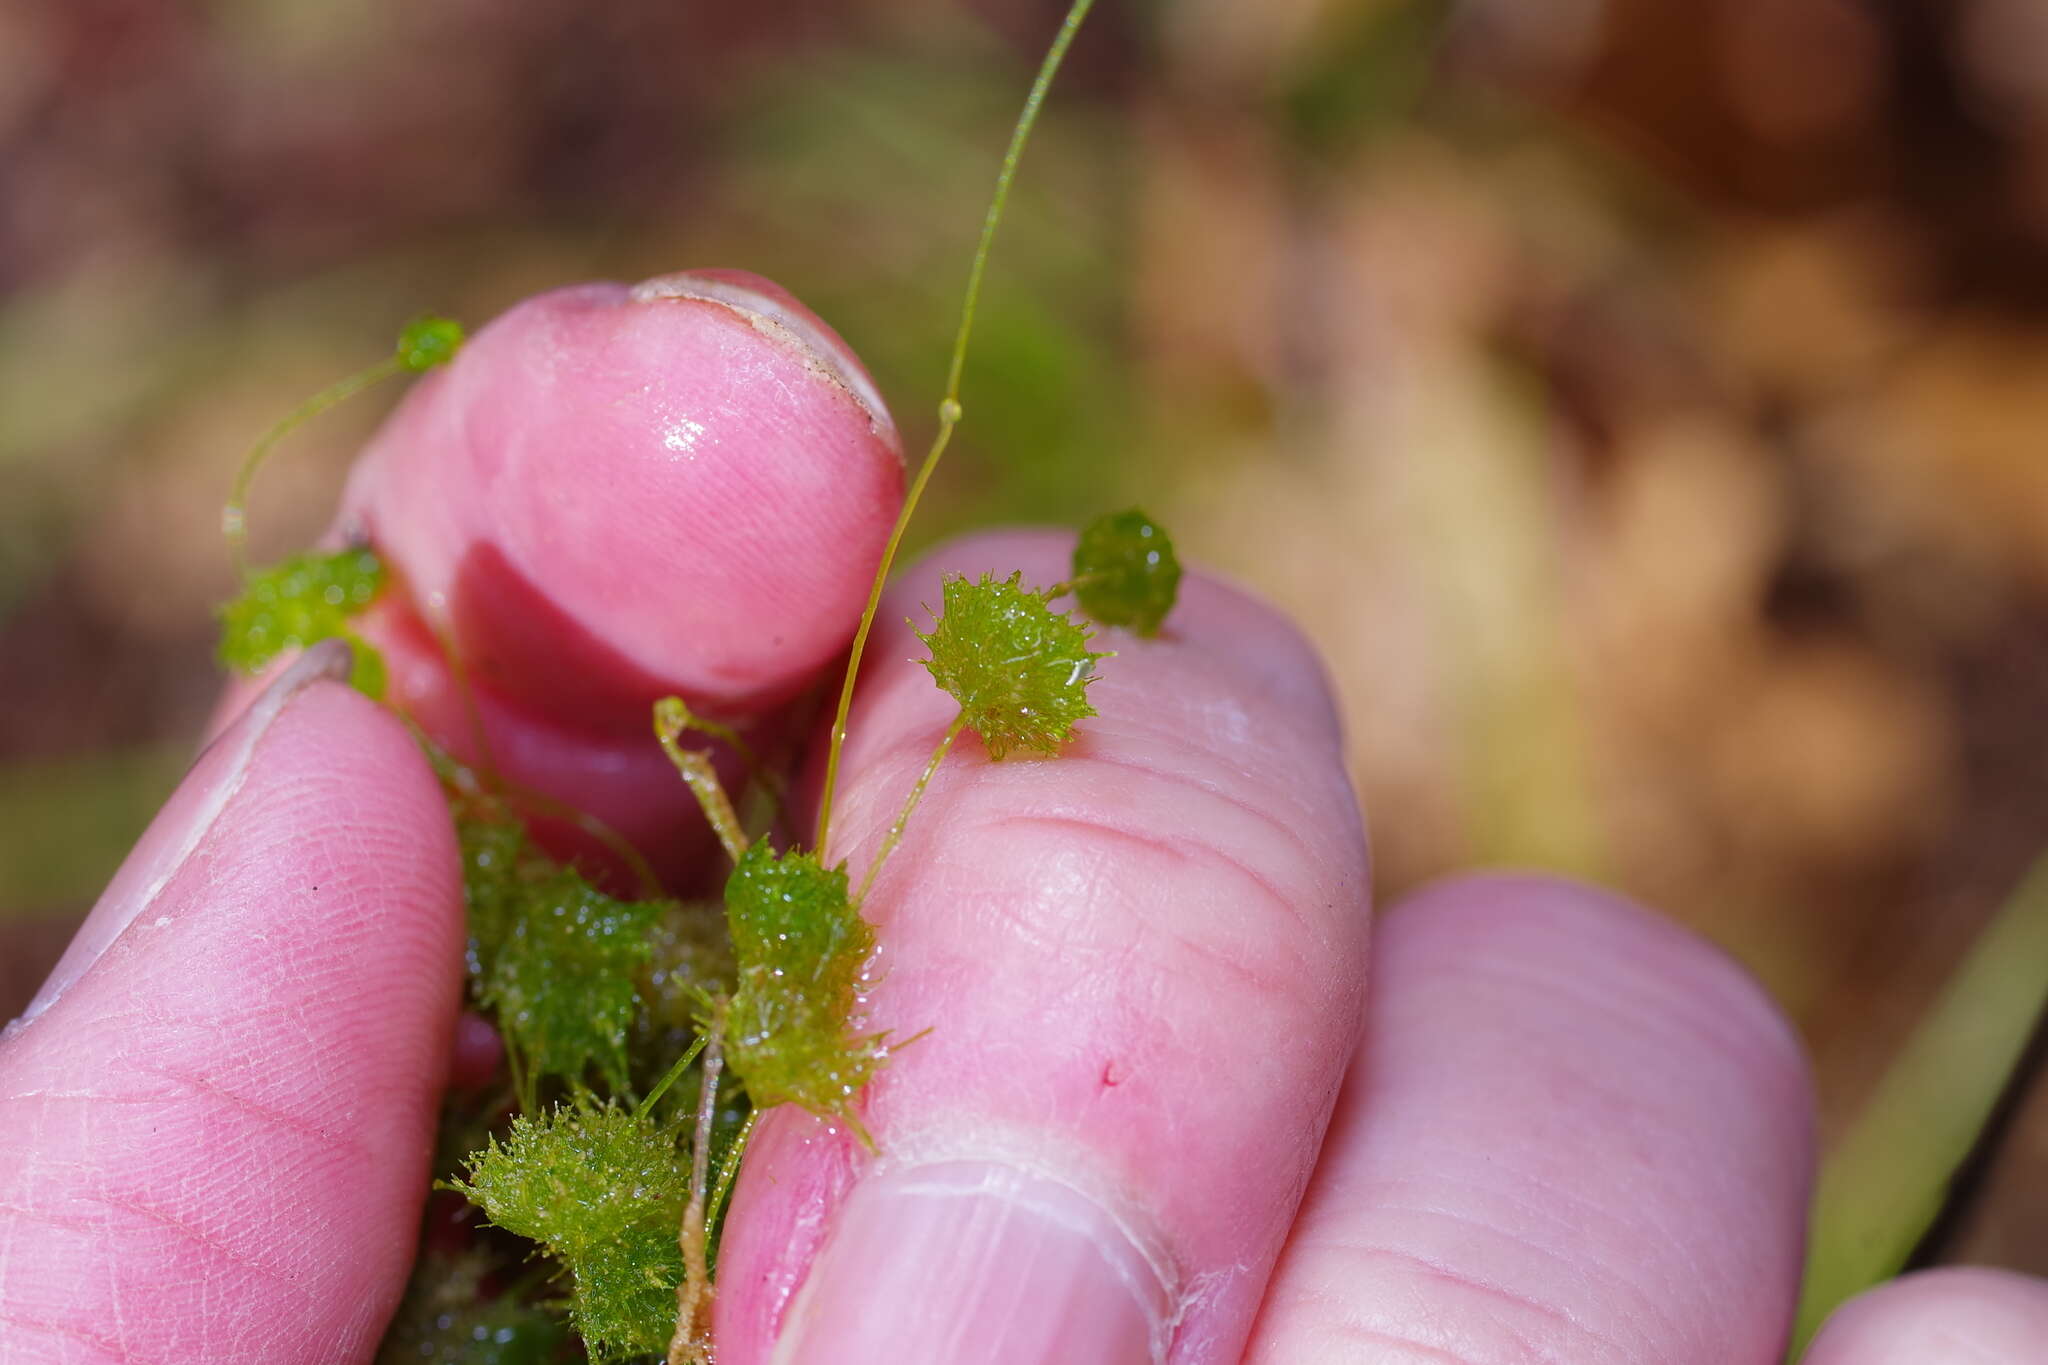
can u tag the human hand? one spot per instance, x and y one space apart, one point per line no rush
1157 1108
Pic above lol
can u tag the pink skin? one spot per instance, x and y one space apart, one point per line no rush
617 493
1958 1316
211 1131
1573 1133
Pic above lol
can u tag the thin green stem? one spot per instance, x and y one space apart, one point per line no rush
729 1168
949 406
674 1074
895 835
234 518
760 773
524 1084
694 1238
1059 590
670 719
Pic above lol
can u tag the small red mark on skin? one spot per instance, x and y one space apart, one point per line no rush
1111 1077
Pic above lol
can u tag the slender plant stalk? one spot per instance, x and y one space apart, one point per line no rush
895 835
949 406
669 1078
234 518
671 716
729 1168
1885 1182
693 1294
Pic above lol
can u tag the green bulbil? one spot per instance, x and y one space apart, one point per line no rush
552 957
1125 572
800 944
299 602
446 1319
602 1190
427 342
1019 669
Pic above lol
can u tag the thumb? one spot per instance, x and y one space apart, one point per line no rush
215 1118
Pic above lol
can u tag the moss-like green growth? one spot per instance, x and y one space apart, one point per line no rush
800 944
689 964
1019 669
552 957
1125 571
299 602
428 341
603 1191
448 1318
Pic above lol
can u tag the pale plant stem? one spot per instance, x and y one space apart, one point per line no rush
895 835
949 406
689 1345
670 718
234 518
669 1078
729 1167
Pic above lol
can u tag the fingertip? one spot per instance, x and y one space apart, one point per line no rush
614 493
244 1079
1956 1315
1595 942
1575 1132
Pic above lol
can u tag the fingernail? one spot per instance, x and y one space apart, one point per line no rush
776 314
971 1263
183 823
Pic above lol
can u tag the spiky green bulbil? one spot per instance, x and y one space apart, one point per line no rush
428 341
1125 572
299 602
1019 669
552 957
602 1190
800 944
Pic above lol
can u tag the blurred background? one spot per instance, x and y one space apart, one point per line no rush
1643 403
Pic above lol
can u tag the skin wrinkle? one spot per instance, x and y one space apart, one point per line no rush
1439 1272
265 1114
1614 1283
1649 1221
1373 1339
996 785
1275 980
1651 1005
107 1348
198 1238
1284 831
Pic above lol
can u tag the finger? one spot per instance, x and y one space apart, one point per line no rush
1953 1316
615 493
1140 967
215 1120
1575 1133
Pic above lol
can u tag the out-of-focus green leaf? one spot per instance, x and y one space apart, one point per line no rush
1884 1183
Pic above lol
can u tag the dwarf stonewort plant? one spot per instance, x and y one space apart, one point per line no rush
643 1036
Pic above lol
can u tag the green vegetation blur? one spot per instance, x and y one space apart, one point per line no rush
1641 404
